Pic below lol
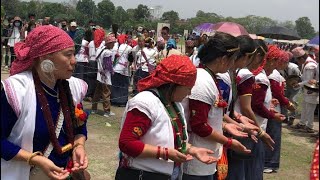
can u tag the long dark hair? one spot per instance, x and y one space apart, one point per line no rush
247 45
218 46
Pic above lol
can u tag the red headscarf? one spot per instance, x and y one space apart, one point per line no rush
284 56
273 53
175 69
122 38
98 37
41 41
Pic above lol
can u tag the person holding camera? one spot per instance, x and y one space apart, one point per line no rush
15 34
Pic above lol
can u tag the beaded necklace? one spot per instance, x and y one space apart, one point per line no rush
173 112
219 102
48 118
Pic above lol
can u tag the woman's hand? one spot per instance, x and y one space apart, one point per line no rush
279 117
49 168
291 107
80 159
249 124
235 130
268 141
177 156
237 146
274 102
202 154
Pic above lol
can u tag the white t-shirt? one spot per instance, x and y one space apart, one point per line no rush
106 53
81 56
122 61
151 55
15 37
92 51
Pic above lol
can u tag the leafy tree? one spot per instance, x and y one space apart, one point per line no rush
120 15
52 9
87 7
11 7
254 24
288 24
171 16
141 13
105 13
305 28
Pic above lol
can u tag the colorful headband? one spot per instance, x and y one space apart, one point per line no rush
233 49
263 50
252 52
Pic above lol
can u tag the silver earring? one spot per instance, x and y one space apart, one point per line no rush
47 66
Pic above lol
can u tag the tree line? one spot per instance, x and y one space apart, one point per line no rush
106 13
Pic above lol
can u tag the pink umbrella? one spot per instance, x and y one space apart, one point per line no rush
231 28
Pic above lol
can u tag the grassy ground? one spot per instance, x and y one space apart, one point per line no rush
297 149
102 148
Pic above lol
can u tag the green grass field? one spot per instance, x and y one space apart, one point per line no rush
102 147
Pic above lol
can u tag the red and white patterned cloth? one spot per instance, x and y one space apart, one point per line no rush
41 41
175 69
314 171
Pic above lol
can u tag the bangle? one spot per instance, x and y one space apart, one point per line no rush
228 144
158 152
78 144
38 153
167 154
224 127
261 133
163 154
242 126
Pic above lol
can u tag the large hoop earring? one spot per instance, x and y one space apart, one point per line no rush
47 66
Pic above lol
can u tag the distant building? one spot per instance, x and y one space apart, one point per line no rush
156 12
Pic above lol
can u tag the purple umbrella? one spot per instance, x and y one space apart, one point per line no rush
314 41
205 27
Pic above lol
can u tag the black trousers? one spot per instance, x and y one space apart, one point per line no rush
132 174
91 78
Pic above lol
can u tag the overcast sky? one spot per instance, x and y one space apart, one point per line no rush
281 10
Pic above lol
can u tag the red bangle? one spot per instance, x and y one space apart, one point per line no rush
163 154
158 152
228 144
167 154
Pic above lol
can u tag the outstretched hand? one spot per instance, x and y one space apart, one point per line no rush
203 155
235 130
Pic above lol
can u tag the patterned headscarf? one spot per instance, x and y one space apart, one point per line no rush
175 69
40 41
284 56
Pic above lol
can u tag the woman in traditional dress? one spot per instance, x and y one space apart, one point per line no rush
204 107
153 138
277 82
43 127
261 106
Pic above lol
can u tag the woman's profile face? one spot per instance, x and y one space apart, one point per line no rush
180 92
64 62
